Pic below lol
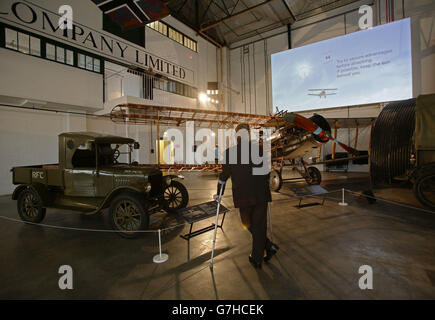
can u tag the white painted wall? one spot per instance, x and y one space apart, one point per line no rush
30 138
33 78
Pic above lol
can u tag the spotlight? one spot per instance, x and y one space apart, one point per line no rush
202 97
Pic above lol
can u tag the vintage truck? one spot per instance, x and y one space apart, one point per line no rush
90 177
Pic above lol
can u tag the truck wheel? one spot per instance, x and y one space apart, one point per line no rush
128 213
29 206
275 180
424 189
314 176
175 197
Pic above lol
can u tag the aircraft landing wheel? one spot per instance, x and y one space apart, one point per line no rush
314 176
275 180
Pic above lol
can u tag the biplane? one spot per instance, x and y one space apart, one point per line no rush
322 92
293 137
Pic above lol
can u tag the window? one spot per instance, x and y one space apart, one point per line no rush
50 51
11 39
173 34
159 27
174 87
30 44
96 65
189 43
163 29
89 63
59 54
82 59
35 46
22 42
69 57
167 85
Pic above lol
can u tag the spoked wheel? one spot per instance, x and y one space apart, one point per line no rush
29 206
314 176
128 214
175 197
275 180
424 189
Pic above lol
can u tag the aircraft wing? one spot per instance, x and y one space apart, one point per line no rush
313 94
344 123
321 89
276 122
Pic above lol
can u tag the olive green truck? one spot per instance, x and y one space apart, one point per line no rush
90 177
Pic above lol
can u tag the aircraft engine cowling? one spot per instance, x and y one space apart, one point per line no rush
297 142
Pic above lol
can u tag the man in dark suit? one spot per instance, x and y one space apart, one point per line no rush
251 193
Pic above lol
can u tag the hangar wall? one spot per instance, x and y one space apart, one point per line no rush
250 69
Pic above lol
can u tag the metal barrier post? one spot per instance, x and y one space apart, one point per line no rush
342 203
161 257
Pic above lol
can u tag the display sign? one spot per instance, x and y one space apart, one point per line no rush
201 211
363 67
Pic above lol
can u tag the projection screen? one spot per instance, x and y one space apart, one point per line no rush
368 66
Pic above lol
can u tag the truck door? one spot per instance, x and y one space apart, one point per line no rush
103 180
79 181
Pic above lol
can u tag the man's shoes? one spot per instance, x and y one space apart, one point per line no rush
271 252
255 264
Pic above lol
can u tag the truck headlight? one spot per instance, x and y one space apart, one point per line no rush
147 187
168 181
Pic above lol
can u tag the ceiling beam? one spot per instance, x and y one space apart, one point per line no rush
235 15
289 10
180 17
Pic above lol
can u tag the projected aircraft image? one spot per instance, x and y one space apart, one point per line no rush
368 66
321 93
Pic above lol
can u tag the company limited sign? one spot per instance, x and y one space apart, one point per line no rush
34 17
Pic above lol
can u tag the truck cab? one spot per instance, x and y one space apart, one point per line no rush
96 172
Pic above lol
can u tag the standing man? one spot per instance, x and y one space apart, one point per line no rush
251 194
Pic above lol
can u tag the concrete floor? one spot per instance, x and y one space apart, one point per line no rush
322 248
